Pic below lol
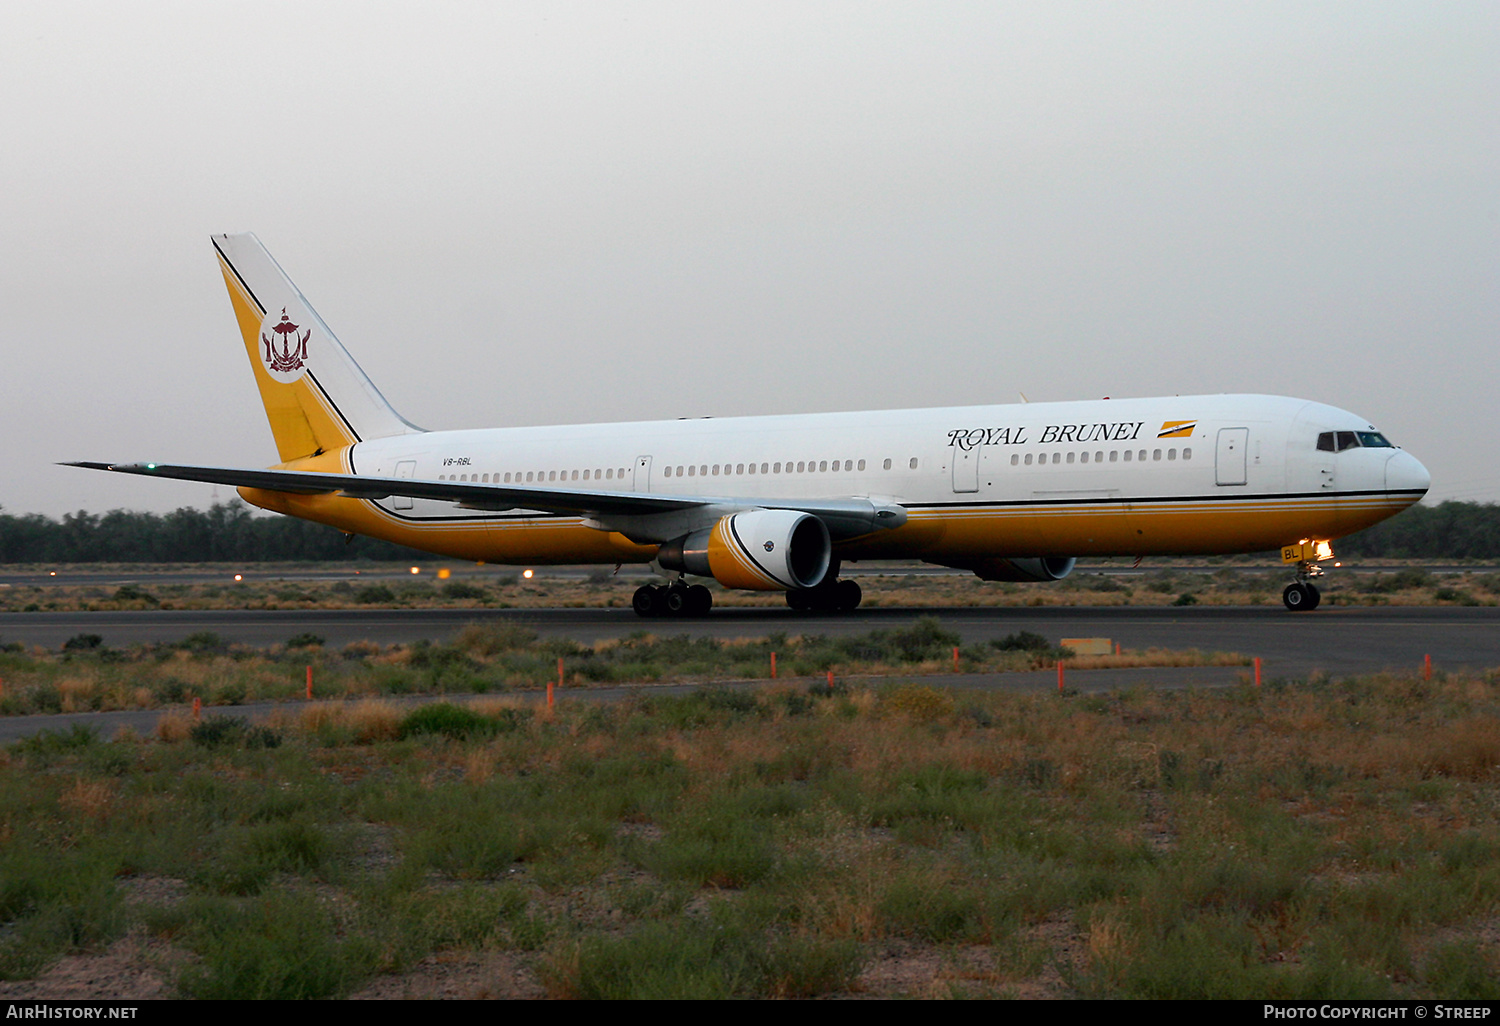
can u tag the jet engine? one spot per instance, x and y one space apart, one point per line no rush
759 549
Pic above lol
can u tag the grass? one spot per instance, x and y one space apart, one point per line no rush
494 658
1326 838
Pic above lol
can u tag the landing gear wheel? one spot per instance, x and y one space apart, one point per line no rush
676 602
700 600
647 601
798 600
849 595
1300 598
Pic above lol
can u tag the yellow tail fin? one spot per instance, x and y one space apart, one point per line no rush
316 397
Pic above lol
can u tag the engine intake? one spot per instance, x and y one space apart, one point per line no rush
759 549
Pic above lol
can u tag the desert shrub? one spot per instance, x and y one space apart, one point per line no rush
232 732
458 721
1022 641
374 594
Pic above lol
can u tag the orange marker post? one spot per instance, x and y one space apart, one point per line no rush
549 695
955 658
1427 666
1257 671
830 679
560 678
773 665
197 707
309 682
1117 648
1059 676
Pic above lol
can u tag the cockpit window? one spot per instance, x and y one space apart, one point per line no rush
1338 441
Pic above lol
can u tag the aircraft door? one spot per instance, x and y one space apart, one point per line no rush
965 469
642 479
1229 459
406 469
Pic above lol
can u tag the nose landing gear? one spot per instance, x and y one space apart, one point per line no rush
1302 596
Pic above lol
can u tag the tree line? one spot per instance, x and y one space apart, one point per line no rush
227 533
224 533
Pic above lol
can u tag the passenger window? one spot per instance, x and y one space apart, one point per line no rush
1171 454
1142 456
1128 454
1156 454
1084 458
703 470
609 475
1042 460
887 464
1114 455
1070 457
1187 454
1098 457
716 470
1028 459
1015 459
913 463
861 465
823 467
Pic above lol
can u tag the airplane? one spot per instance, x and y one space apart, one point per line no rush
779 503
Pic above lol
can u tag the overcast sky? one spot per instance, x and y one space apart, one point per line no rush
546 213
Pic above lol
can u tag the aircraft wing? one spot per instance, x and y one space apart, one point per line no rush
845 518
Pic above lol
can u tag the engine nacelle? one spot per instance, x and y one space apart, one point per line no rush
1047 568
759 549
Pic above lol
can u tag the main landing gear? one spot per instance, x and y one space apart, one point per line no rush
676 599
829 597
1302 595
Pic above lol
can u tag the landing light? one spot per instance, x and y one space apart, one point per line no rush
526 574
416 569
238 577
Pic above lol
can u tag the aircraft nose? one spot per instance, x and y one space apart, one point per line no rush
1404 473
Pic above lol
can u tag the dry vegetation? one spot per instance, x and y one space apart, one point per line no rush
86 676
1314 839
383 587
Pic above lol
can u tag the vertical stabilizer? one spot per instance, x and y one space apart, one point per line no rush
316 397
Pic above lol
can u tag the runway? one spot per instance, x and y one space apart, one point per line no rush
1336 640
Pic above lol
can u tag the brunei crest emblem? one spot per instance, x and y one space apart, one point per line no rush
283 350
